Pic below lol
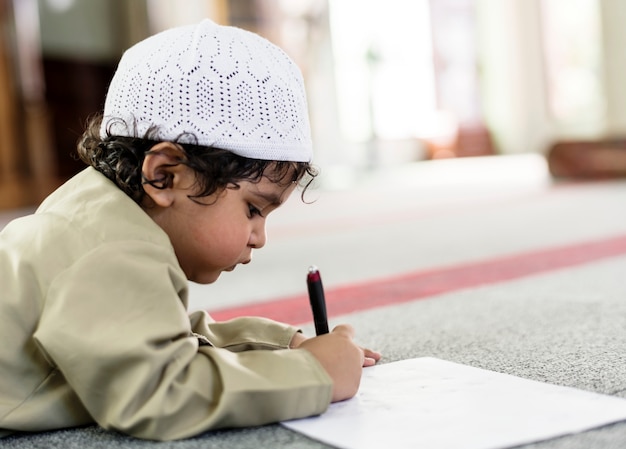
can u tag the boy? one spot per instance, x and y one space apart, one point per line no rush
204 133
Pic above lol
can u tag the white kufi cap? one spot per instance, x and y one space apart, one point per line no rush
226 87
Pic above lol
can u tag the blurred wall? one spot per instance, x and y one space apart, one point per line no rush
514 82
614 37
80 42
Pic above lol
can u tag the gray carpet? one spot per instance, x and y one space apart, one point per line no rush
564 327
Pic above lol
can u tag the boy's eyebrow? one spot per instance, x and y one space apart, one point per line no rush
272 198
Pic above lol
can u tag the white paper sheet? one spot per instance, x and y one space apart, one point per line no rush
435 404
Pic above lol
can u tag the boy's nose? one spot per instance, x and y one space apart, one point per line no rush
258 237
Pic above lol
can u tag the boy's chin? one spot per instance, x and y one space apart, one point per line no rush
210 277
207 278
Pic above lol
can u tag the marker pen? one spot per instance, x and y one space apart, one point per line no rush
317 300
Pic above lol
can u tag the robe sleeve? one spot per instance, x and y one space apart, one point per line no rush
243 333
115 325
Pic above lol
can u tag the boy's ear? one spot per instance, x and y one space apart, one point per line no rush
164 172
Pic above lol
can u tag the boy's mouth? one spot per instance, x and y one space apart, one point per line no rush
247 261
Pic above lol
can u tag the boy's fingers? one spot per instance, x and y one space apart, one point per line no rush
344 329
376 356
368 361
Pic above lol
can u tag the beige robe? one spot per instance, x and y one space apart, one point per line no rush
94 328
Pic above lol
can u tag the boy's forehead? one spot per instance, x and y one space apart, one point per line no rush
272 192
281 173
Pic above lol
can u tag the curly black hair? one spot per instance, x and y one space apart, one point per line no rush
120 159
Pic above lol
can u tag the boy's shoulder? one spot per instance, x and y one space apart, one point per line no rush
92 206
86 187
87 214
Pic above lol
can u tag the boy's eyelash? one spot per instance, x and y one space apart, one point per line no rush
254 211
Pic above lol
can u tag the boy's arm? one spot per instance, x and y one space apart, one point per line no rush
242 334
114 326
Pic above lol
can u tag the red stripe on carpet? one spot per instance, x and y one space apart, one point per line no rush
423 284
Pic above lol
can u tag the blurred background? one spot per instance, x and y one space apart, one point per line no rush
389 83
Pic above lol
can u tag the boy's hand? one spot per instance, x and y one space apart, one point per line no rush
297 339
371 357
342 359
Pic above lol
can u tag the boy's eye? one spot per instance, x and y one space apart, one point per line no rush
254 211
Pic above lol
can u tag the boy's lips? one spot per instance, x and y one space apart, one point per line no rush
247 261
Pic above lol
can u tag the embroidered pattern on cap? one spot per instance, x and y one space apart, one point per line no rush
215 86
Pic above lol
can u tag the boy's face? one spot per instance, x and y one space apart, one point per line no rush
216 233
